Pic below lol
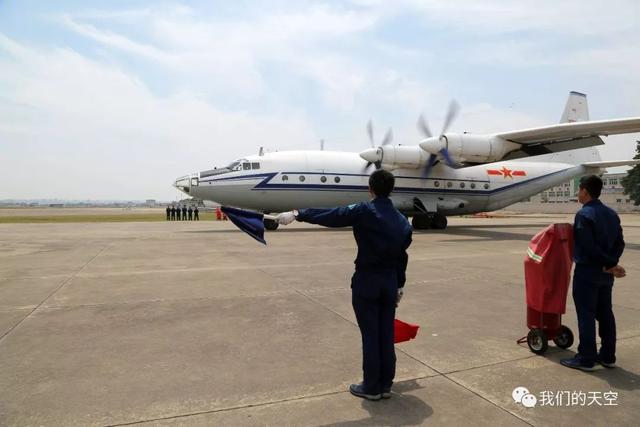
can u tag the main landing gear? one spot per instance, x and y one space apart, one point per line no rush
436 221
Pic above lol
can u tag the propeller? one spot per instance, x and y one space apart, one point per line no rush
440 144
374 155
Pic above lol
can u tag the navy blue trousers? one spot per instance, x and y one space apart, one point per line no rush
592 291
374 303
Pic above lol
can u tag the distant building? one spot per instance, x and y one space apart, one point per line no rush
56 205
192 202
150 202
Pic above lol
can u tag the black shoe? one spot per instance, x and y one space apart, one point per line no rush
576 363
358 390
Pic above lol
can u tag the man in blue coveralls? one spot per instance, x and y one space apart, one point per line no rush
598 245
383 235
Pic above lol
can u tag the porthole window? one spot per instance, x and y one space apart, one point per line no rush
462 185
473 185
337 179
323 179
436 184
285 178
301 178
449 184
246 166
486 186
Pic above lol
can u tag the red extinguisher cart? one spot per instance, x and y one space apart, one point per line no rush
547 272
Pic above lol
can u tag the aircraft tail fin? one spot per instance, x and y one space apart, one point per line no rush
576 109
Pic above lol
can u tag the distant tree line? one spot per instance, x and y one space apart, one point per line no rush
631 182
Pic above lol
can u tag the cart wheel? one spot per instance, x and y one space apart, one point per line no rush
564 337
537 341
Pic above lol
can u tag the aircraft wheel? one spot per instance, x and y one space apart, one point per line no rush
270 224
421 222
439 221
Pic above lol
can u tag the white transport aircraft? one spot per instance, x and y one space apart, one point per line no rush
449 174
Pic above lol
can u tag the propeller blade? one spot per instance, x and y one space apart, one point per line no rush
447 158
423 127
388 137
427 170
454 107
370 133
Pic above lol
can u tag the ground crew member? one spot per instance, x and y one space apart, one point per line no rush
383 235
168 212
598 245
195 214
190 212
173 213
184 212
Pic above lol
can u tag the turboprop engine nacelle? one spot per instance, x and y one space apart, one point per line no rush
397 156
470 148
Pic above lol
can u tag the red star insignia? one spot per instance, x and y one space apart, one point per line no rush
506 172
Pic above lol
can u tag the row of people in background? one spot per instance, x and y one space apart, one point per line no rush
175 213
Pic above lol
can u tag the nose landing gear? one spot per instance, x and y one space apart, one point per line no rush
270 224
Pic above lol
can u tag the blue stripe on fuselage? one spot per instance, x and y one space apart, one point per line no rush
266 185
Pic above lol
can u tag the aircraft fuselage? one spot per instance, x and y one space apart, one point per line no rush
281 181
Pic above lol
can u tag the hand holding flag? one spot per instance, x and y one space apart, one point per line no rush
252 223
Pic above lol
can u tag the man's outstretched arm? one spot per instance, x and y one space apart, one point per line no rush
332 217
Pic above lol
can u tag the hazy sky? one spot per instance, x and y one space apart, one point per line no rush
113 100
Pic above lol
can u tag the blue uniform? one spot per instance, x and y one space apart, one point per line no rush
383 235
598 245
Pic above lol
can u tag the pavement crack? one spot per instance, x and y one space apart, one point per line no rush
62 285
166 300
230 408
446 375
247 406
307 296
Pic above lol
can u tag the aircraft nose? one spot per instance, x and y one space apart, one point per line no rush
183 184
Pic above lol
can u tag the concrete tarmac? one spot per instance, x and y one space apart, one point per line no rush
187 323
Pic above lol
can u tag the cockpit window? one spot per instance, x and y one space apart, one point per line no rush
255 166
235 166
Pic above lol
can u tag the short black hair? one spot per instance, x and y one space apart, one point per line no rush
382 182
593 185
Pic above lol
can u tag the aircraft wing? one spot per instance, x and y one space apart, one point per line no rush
567 136
611 164
572 131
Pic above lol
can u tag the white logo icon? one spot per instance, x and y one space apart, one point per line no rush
519 393
522 395
529 401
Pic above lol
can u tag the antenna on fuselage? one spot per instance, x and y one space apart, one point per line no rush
322 145
261 152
